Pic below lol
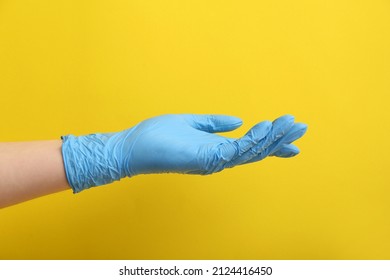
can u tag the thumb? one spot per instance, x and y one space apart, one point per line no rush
213 123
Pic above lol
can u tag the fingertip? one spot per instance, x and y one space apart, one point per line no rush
296 132
237 123
236 119
226 123
302 127
285 119
283 123
294 150
215 122
287 151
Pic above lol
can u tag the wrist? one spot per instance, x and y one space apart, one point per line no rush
91 160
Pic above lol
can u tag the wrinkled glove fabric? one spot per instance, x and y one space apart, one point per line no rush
182 143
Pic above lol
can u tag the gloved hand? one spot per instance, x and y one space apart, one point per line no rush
183 143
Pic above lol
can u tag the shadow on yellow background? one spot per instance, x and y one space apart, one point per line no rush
97 66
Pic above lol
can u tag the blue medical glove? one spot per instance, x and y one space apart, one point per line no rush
183 143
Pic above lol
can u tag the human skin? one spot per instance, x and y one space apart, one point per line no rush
29 170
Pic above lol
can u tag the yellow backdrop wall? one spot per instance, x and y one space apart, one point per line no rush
97 66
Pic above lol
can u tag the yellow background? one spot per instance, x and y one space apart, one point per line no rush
96 66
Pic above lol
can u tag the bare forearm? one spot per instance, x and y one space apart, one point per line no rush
29 170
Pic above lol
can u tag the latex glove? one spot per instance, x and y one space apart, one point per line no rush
183 143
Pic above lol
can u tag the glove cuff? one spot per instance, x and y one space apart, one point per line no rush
89 161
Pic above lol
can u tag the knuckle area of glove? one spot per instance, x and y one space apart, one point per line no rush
213 163
255 151
243 148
